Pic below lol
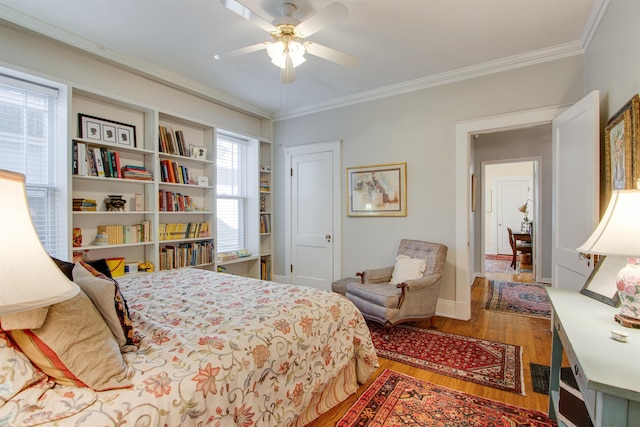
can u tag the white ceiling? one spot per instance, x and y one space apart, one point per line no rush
402 44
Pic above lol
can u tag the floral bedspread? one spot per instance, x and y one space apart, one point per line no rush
223 350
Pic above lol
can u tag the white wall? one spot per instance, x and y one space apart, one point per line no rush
418 128
612 61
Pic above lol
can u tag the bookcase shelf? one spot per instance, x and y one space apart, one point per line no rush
143 154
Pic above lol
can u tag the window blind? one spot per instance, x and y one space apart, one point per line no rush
231 187
27 145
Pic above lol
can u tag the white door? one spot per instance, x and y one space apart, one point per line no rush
511 193
576 157
315 211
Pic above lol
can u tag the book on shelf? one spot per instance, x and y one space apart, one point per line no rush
84 205
265 223
97 157
178 231
172 142
172 172
186 254
136 172
124 234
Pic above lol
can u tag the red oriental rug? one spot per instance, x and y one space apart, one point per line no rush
528 299
488 363
396 400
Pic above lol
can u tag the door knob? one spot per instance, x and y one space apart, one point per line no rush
328 237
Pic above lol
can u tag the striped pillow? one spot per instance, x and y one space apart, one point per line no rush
74 346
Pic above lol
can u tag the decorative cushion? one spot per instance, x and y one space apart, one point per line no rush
16 370
407 269
75 347
67 267
106 296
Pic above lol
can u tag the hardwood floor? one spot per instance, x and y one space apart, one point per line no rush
533 334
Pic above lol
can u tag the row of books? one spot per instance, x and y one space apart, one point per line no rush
189 230
102 162
123 234
264 184
87 205
186 254
265 223
172 142
174 173
176 202
265 269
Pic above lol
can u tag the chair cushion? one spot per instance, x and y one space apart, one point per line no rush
407 269
382 294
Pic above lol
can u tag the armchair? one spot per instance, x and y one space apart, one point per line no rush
387 303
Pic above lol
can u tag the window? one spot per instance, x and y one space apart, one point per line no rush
28 145
231 162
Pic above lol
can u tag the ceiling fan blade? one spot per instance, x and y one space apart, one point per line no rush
288 73
248 14
332 55
242 50
325 17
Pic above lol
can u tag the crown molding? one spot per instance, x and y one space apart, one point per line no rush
142 68
597 12
460 74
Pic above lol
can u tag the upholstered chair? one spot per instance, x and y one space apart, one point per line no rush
406 291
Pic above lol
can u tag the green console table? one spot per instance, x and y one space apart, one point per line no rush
607 371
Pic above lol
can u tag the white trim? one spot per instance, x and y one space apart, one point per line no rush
491 67
335 148
464 135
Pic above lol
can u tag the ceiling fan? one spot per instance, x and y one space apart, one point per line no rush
288 34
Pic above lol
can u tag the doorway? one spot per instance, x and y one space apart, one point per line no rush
509 189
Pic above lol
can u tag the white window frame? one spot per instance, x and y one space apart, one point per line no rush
54 220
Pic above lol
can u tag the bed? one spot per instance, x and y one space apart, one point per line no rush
209 349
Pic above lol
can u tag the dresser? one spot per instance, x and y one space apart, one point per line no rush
607 371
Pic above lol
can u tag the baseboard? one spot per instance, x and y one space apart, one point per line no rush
281 279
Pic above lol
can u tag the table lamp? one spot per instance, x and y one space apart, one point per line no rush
525 219
619 234
29 279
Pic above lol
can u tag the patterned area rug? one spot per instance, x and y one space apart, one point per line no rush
498 264
489 363
396 400
528 299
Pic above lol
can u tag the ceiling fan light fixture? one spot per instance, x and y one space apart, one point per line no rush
278 52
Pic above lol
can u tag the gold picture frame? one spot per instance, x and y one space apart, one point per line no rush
622 149
378 190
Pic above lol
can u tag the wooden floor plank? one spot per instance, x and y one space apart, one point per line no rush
531 333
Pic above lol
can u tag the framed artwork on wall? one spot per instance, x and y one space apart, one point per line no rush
378 190
622 148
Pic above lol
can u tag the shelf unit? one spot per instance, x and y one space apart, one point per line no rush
145 152
195 244
259 227
265 215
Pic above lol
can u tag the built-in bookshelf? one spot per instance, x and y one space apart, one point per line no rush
122 198
143 188
186 193
266 242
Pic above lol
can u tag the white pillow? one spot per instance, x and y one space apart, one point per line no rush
407 269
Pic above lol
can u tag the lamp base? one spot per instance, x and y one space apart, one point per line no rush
627 322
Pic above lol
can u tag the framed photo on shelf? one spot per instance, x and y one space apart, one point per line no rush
601 284
378 190
198 152
622 148
104 130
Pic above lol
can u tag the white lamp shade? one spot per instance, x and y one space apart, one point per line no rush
619 230
29 279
